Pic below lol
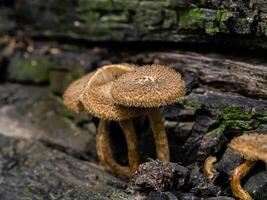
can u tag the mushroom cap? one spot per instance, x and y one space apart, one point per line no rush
149 86
252 146
97 98
72 94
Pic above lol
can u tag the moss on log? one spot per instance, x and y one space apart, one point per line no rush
231 22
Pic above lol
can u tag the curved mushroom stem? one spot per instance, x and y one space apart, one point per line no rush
209 169
160 135
132 145
104 150
237 174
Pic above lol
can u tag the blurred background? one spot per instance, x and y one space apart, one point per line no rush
48 152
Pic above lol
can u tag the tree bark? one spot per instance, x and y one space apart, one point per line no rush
241 23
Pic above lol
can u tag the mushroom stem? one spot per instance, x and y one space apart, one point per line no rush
104 150
237 174
132 145
99 144
160 135
209 169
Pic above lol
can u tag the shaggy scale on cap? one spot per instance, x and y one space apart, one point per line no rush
72 94
97 98
251 146
148 86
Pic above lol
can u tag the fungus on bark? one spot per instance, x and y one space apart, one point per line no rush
151 86
253 147
96 99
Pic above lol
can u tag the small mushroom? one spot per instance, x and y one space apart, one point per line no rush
72 94
253 147
72 100
149 87
96 99
209 169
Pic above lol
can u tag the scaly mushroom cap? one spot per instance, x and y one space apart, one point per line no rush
97 98
72 94
252 146
148 86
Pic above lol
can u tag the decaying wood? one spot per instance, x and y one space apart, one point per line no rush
214 22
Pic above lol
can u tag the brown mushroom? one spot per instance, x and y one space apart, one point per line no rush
72 94
149 87
209 169
253 147
72 97
97 100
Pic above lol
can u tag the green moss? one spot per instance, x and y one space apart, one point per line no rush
237 117
211 29
192 18
233 116
262 27
123 17
236 113
219 24
148 19
89 17
262 119
27 191
245 125
94 25
34 70
191 104
222 17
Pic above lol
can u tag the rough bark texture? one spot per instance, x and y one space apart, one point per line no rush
222 21
48 152
30 170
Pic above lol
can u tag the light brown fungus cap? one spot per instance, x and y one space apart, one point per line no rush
252 146
97 97
149 86
72 94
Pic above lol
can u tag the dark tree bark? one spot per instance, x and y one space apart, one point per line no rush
241 23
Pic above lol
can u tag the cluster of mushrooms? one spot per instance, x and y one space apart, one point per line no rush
120 92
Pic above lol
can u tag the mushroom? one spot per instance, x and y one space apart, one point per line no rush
72 94
96 99
149 87
253 147
209 169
